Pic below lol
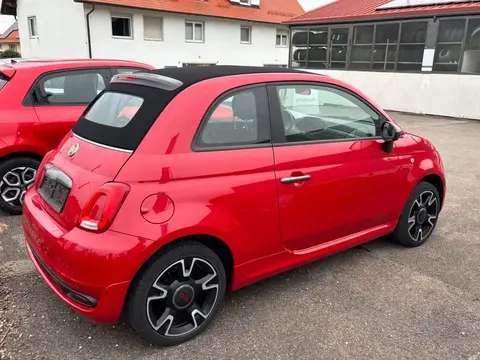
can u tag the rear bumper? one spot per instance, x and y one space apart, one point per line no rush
90 272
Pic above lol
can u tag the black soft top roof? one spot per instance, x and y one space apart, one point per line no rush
191 75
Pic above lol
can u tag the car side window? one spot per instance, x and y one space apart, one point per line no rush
71 87
324 113
238 119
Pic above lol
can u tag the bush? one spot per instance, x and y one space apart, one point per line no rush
7 54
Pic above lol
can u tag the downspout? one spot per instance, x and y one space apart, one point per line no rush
88 31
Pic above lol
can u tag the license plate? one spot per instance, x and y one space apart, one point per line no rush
53 192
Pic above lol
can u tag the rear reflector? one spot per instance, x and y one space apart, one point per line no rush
100 211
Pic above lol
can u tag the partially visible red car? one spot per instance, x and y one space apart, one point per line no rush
177 185
40 101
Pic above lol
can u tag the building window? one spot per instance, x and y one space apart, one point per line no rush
385 47
362 48
389 46
412 45
471 54
337 56
194 31
32 27
152 28
317 51
245 34
281 39
121 26
449 44
245 2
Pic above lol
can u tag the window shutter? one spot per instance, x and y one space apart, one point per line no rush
152 28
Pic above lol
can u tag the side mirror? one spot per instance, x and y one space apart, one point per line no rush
390 133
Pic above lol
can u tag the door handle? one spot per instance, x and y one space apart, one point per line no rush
292 179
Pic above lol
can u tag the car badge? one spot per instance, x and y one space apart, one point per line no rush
73 150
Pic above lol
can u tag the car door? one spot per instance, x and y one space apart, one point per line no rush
60 98
333 177
235 170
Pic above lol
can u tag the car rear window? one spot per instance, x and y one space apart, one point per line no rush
114 109
122 114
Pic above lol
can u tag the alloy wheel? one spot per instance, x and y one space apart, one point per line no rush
182 297
423 216
15 183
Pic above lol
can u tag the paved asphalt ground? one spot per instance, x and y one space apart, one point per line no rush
378 301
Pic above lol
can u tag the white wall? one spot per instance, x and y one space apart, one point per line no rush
433 94
221 41
61 29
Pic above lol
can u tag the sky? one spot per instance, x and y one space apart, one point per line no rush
6 21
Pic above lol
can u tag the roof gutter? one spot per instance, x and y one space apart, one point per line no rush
89 40
380 18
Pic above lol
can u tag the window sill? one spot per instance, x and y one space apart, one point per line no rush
149 39
195 41
282 46
123 37
245 43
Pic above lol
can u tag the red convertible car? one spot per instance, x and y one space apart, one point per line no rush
155 209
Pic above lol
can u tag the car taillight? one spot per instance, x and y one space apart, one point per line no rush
100 211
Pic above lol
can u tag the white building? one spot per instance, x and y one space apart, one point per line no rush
160 33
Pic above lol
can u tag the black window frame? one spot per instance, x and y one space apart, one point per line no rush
374 66
32 99
278 130
264 125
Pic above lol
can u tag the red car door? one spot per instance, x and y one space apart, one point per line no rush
333 177
61 97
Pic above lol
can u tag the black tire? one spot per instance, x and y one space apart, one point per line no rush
137 307
407 230
14 207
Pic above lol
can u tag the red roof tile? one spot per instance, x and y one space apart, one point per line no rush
270 11
11 38
349 10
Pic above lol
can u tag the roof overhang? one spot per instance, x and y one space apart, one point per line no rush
9 7
379 17
101 3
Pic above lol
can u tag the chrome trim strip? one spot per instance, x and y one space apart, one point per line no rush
101 145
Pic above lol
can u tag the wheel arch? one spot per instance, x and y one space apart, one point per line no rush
215 244
436 181
20 154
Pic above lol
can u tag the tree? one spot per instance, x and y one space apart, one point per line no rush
7 54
